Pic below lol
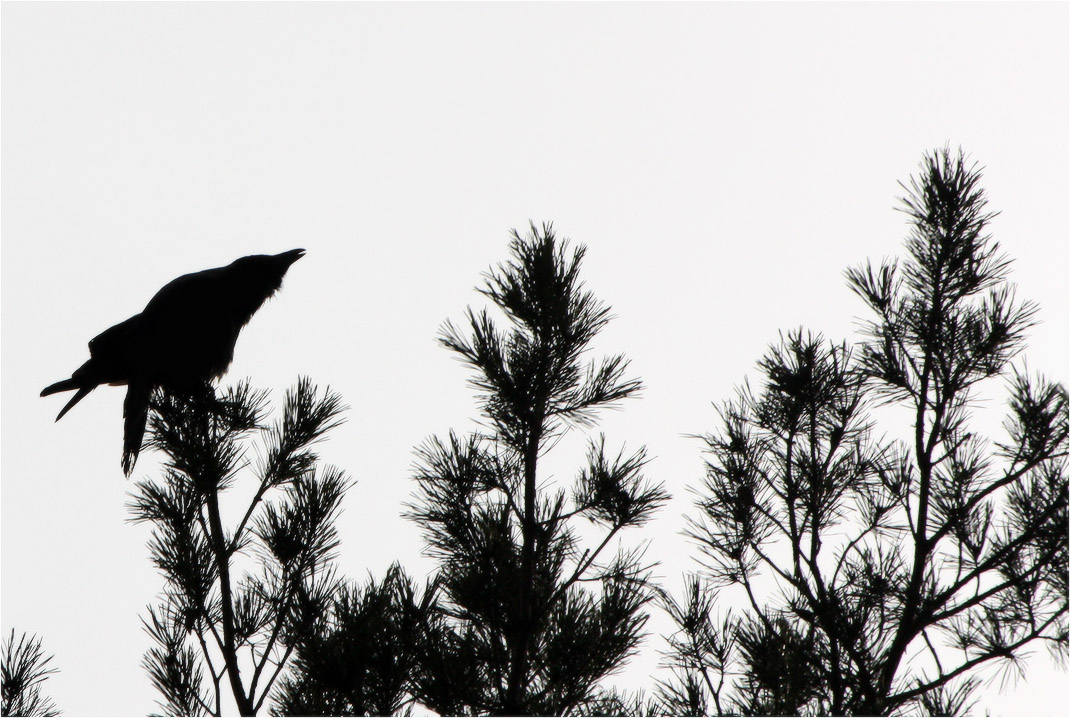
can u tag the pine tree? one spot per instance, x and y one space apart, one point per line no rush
525 620
243 631
881 576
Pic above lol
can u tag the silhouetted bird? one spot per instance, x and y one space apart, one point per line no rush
183 338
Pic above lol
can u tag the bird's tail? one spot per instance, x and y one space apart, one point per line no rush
74 400
135 416
66 385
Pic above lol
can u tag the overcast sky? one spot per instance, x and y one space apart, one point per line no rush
724 163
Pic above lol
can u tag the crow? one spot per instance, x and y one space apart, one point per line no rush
183 339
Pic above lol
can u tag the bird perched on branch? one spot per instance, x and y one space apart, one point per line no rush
183 338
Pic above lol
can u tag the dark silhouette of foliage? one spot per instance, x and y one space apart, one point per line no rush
511 630
357 658
24 669
880 576
242 632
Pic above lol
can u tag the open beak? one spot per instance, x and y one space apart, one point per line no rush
292 256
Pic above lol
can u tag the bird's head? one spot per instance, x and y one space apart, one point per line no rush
258 276
267 264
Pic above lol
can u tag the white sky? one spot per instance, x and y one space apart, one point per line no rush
723 162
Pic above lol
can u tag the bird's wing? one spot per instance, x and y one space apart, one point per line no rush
187 294
186 312
135 416
111 340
